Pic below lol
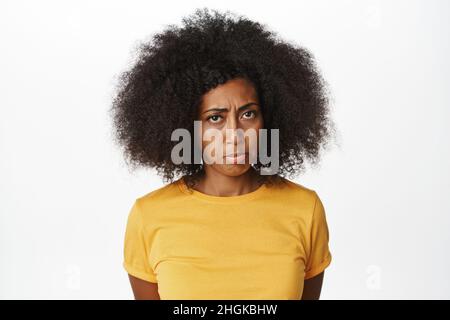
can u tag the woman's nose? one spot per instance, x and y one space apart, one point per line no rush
231 131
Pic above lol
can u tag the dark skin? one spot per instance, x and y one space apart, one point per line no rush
143 290
229 106
233 105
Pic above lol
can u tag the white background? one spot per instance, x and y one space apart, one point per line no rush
65 191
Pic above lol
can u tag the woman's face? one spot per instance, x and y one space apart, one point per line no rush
231 106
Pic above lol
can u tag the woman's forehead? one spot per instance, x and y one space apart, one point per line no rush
234 93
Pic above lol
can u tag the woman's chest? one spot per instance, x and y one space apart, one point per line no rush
251 257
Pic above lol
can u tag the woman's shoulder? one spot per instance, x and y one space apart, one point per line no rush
294 189
296 197
160 196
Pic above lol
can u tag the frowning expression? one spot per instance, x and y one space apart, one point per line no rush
228 107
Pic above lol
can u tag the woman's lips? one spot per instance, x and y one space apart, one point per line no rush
235 159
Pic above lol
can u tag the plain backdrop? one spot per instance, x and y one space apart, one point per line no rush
65 190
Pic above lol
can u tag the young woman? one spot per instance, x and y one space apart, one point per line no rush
224 230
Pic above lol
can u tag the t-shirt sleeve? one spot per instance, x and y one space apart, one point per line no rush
136 247
319 256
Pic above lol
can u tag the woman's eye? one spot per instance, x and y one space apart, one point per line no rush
214 119
249 114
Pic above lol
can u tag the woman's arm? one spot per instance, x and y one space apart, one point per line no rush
144 290
312 287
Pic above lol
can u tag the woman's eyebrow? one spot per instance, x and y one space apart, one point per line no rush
245 106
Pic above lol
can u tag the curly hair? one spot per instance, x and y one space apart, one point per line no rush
163 88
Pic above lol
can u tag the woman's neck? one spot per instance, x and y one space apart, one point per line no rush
216 184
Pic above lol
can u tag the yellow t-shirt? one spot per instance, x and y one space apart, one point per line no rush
259 245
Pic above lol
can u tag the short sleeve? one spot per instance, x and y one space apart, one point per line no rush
136 247
319 254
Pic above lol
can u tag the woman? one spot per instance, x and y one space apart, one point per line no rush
224 229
